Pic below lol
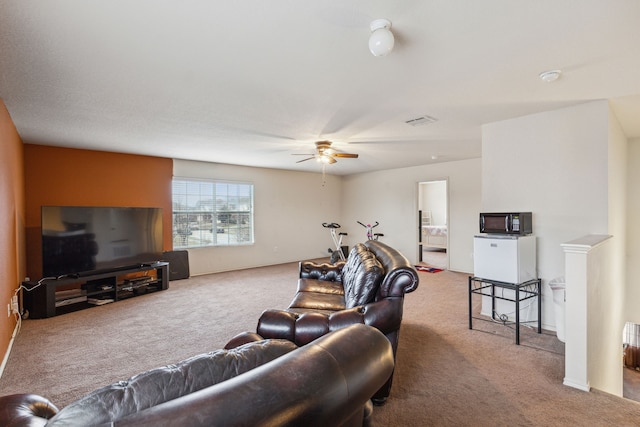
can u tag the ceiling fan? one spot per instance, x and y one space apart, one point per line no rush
325 154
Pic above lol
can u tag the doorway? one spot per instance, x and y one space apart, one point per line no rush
433 219
631 361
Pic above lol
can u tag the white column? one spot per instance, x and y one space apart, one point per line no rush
577 267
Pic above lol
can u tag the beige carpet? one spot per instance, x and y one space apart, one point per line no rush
446 374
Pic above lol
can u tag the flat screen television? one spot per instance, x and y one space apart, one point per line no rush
82 240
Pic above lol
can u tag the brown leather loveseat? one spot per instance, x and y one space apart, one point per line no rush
368 288
328 382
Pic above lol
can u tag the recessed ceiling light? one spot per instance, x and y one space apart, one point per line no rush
550 76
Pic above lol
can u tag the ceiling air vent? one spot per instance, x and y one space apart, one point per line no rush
421 121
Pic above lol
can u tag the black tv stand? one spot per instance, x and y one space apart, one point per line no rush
73 292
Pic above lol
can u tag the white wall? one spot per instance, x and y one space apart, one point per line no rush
554 164
606 307
633 231
434 199
289 209
391 197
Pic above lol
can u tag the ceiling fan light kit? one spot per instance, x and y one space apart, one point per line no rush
381 40
326 155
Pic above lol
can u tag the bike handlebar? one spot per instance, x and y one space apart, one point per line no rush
372 226
330 225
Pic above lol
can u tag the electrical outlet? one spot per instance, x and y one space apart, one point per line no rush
15 308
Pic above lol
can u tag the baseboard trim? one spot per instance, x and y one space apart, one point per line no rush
5 359
575 384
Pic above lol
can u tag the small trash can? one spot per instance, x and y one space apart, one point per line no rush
558 286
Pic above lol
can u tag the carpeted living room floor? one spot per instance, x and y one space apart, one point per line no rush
446 374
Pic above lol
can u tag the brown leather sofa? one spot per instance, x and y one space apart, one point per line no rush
368 288
328 382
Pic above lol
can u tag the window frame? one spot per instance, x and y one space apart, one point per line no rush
205 202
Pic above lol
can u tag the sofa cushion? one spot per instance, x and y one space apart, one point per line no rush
160 385
320 286
361 276
318 301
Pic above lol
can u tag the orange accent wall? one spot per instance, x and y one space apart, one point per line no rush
74 177
12 245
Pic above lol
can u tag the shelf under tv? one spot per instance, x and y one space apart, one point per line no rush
77 292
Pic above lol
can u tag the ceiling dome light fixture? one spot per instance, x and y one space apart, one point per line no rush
381 40
550 76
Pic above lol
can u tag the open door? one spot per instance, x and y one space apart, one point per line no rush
433 229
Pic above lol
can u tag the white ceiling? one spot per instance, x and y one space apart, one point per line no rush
252 82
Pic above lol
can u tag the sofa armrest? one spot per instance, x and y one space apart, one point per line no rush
321 271
398 282
28 410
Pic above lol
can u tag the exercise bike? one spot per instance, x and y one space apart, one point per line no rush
370 234
337 254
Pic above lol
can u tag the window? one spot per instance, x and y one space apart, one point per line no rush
211 213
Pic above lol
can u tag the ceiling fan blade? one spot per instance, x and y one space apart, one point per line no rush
304 160
301 154
345 155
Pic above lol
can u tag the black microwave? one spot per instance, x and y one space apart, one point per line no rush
506 223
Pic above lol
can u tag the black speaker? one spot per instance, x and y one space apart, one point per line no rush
178 264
